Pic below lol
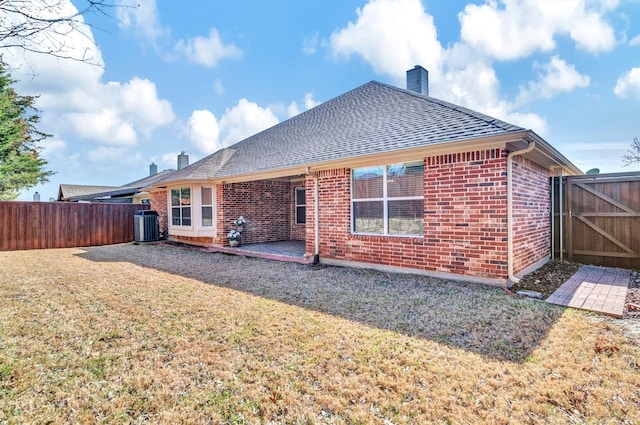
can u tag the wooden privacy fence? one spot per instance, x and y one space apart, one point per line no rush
596 219
37 225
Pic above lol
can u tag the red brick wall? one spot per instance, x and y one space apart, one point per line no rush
531 213
266 204
465 219
466 213
159 203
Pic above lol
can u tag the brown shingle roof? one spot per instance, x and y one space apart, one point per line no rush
373 118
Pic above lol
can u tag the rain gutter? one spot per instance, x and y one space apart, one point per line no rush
316 215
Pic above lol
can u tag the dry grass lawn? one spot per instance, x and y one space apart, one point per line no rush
157 334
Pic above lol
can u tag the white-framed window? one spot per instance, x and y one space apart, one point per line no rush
206 198
301 205
388 199
181 206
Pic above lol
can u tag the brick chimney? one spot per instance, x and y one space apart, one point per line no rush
418 80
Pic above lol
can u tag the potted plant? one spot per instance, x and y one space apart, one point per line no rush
234 237
240 222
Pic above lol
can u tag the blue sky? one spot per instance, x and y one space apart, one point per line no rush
197 75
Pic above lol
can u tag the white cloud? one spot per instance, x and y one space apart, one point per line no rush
556 77
394 36
512 29
140 103
218 88
53 146
75 102
170 159
292 109
59 31
203 131
309 102
244 120
530 121
108 155
635 41
310 44
208 134
628 84
391 36
104 126
207 51
141 16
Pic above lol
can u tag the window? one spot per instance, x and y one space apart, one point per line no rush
388 200
207 206
301 205
181 206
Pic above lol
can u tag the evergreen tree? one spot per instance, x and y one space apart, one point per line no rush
21 165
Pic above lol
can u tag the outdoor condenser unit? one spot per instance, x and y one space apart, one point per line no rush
145 226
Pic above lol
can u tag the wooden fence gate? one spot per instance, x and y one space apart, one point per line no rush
596 219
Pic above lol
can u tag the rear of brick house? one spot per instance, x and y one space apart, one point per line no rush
381 177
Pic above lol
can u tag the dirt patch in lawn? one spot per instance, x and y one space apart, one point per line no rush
150 334
547 278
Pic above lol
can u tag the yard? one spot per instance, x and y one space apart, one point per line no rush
158 334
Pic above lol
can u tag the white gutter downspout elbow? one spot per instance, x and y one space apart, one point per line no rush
316 215
528 149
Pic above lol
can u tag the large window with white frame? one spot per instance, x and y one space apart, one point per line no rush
388 199
181 206
206 199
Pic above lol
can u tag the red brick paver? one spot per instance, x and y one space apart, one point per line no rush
593 288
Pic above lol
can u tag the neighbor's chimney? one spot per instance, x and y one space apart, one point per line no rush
418 80
153 169
183 160
36 197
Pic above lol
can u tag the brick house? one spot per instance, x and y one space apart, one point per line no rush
382 177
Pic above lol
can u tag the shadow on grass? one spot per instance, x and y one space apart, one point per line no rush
468 316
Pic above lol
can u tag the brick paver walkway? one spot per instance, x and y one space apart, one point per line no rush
593 288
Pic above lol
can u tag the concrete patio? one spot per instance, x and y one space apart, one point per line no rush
281 250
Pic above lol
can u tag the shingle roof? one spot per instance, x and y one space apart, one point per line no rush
79 192
67 191
373 118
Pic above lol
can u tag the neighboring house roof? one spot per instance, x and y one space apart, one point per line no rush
76 192
374 118
67 191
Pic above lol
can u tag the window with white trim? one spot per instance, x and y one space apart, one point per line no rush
181 206
301 205
388 199
206 198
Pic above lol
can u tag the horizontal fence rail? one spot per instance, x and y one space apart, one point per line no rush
596 219
41 225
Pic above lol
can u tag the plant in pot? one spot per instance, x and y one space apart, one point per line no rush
234 237
240 222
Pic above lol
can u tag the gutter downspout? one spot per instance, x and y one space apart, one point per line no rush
528 149
316 215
